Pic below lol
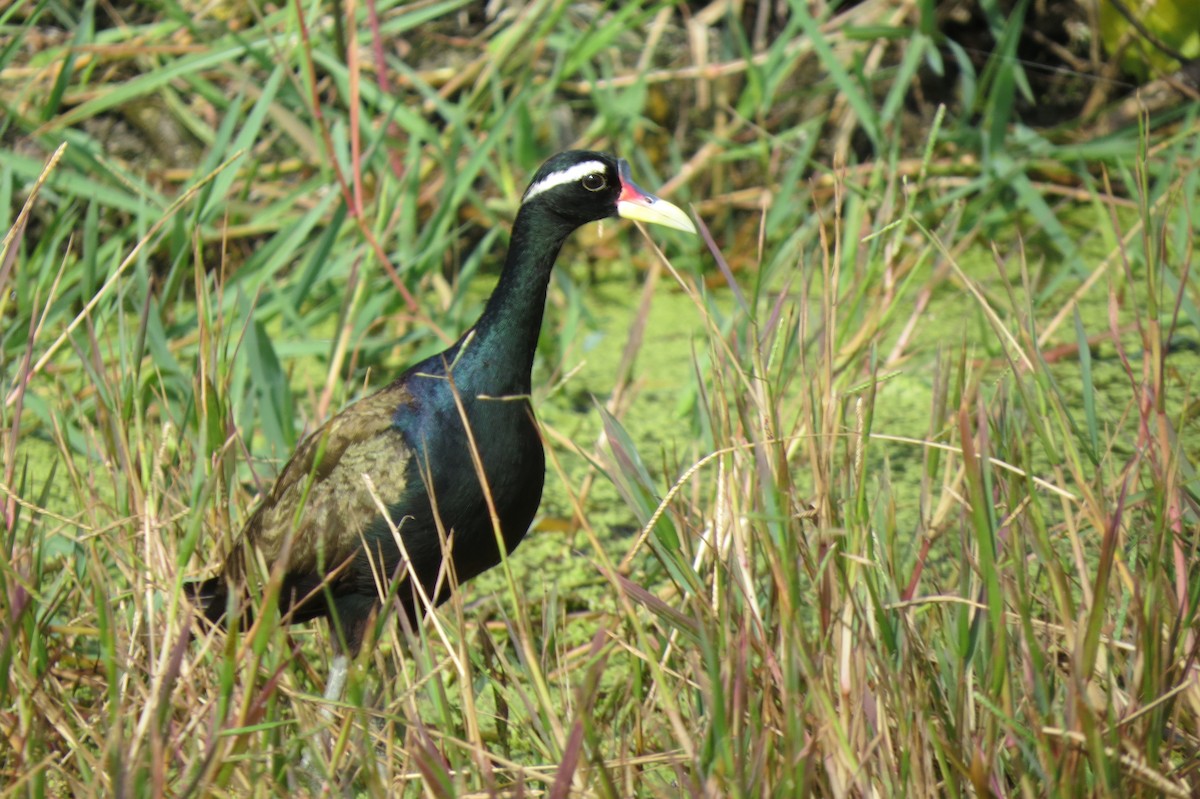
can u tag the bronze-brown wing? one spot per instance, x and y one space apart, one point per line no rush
320 505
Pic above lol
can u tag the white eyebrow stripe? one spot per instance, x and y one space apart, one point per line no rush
568 175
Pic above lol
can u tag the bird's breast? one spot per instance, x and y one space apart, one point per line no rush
474 455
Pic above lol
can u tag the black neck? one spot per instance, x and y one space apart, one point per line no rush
498 358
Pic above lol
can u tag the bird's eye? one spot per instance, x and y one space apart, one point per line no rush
594 182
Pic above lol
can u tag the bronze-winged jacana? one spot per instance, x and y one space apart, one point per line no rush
425 440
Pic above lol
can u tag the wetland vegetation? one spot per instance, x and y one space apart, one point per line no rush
885 486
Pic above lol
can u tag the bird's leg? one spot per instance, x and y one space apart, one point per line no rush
335 686
339 669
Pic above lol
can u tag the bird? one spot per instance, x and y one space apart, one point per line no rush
450 449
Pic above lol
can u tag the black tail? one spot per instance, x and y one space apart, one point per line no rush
211 597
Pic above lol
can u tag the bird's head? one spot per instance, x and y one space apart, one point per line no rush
582 186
